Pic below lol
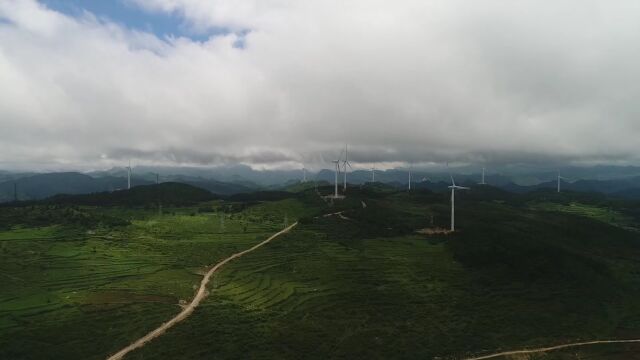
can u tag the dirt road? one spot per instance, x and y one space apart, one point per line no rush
551 348
201 294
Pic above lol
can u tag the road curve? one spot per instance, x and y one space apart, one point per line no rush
551 348
201 294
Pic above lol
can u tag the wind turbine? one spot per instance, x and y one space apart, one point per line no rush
482 182
337 170
560 178
373 174
304 175
344 164
129 175
409 178
453 188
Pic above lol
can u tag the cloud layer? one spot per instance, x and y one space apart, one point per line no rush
491 80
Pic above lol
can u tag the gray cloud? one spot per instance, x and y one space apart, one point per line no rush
407 81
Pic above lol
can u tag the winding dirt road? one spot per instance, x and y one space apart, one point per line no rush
201 294
551 348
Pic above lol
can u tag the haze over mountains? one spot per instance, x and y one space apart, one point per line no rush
230 180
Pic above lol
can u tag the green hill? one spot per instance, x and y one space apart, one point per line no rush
168 193
370 276
219 187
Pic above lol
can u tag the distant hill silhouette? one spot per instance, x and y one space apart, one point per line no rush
631 194
626 188
41 186
169 193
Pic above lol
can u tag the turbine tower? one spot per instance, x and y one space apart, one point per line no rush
129 175
337 170
409 178
304 175
344 165
560 178
373 174
453 188
482 182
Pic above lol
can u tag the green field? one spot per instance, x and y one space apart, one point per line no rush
519 273
97 289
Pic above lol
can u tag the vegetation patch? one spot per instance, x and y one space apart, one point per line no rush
518 273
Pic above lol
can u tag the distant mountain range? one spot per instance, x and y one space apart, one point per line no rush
235 174
41 186
616 181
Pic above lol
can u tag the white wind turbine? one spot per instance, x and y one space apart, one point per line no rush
337 171
344 164
373 174
304 175
453 188
560 178
129 175
482 182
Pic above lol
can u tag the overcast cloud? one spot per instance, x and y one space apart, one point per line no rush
293 80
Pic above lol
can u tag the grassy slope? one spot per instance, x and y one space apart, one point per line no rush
369 288
69 293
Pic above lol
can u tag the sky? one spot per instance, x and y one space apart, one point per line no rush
286 83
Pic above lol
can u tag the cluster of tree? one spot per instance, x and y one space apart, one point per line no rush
235 207
46 215
167 194
539 246
263 196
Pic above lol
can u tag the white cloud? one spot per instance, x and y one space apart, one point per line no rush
406 80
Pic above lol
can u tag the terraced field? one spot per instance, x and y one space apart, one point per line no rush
305 292
75 293
334 289
606 215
